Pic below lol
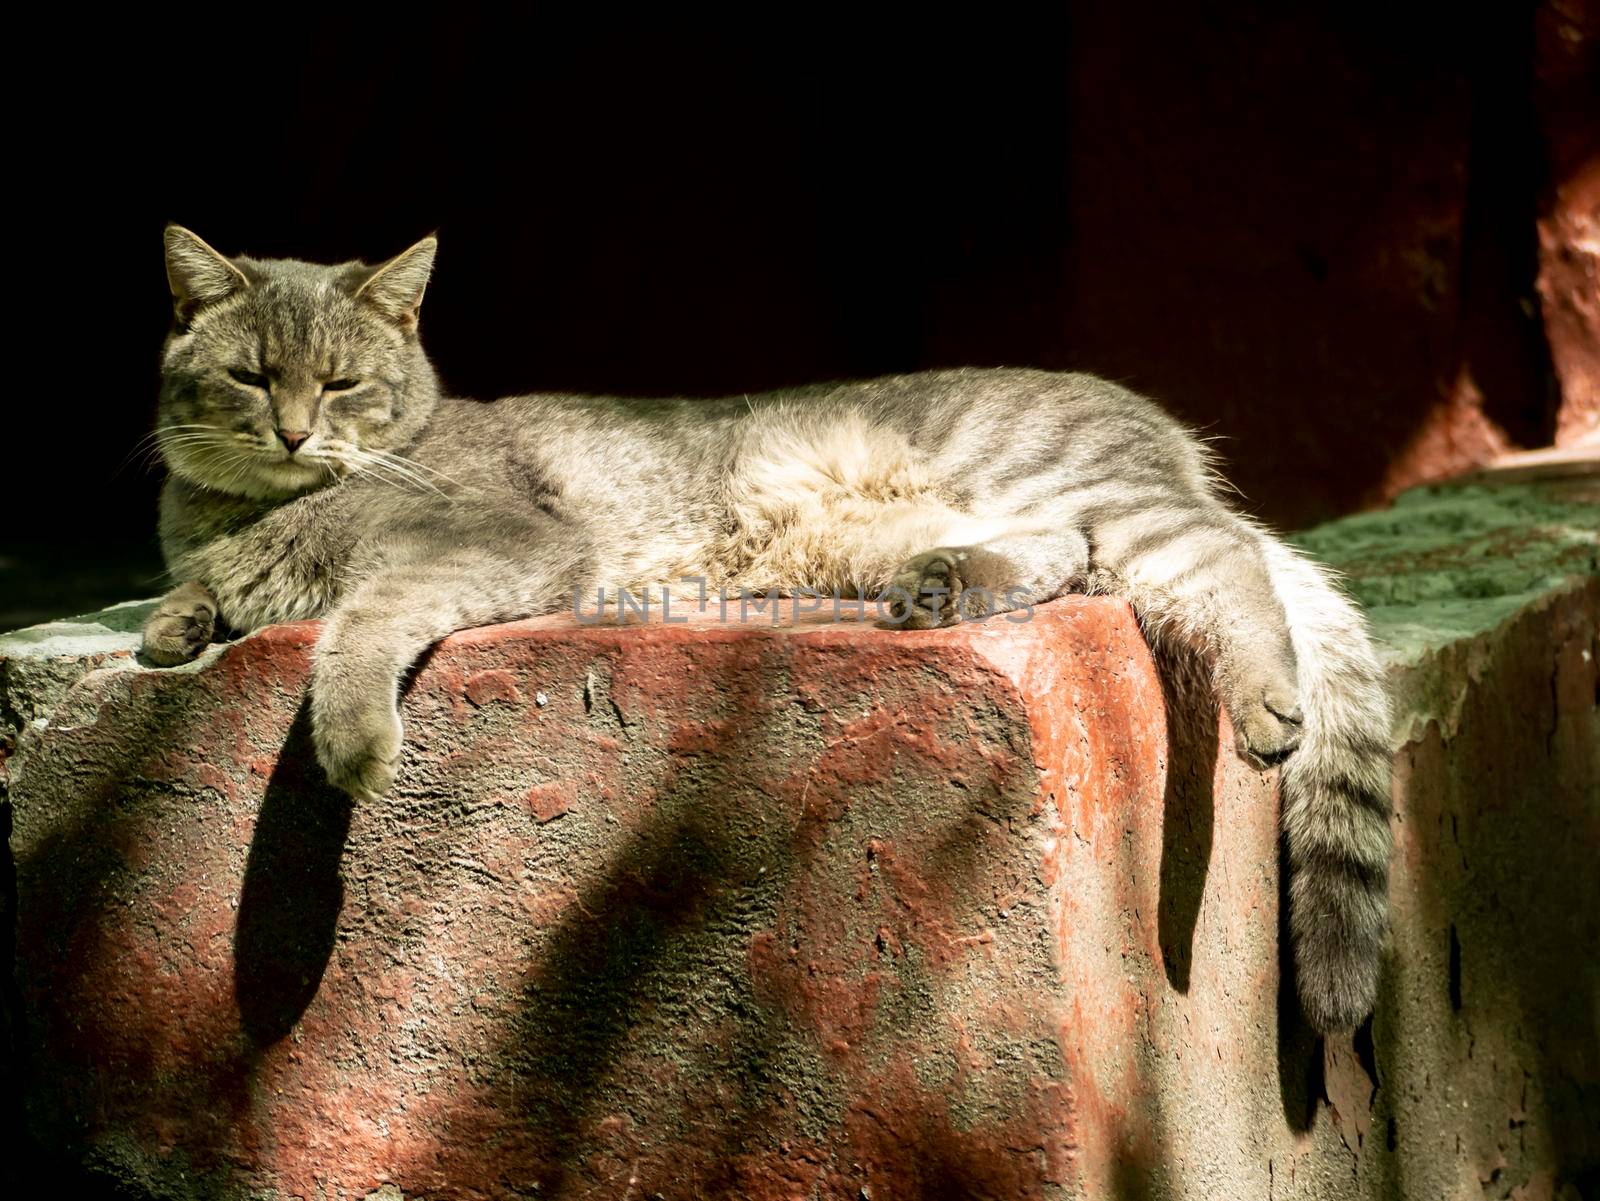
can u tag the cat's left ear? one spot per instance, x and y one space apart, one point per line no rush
395 288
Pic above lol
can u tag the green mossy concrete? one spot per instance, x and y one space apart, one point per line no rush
1455 561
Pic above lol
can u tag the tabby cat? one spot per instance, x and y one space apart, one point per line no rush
317 471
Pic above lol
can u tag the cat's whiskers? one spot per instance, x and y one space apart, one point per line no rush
174 435
236 464
236 475
144 449
371 466
382 466
401 460
415 469
230 456
195 443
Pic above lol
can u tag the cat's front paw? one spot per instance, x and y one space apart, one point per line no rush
1267 721
359 750
181 626
927 591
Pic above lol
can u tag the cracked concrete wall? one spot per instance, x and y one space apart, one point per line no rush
814 912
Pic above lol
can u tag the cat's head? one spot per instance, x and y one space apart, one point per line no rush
280 376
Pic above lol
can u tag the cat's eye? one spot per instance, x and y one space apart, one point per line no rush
249 378
340 385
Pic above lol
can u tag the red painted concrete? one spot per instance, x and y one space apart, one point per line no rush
725 909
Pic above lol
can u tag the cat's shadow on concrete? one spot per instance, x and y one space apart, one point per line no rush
292 893
1187 837
1188 806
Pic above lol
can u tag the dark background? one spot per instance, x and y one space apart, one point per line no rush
1311 234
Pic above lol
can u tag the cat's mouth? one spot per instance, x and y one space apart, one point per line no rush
306 468
319 458
307 460
298 472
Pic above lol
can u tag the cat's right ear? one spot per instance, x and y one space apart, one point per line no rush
197 274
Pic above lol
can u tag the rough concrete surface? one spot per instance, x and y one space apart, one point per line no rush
816 911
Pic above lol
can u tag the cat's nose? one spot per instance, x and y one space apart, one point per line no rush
293 439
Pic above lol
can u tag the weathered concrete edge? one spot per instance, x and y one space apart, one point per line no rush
1433 686
1428 682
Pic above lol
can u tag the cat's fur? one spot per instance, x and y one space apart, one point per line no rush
405 515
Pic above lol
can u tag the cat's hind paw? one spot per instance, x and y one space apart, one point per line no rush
359 752
1268 727
181 627
926 592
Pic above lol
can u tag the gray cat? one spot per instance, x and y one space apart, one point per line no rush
316 471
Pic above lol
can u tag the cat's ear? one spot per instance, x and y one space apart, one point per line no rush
197 274
395 288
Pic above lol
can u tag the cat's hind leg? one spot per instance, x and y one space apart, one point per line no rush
1296 669
1201 577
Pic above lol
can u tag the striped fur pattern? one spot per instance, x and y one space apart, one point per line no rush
400 515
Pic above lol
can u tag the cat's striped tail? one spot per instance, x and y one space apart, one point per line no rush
1335 792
